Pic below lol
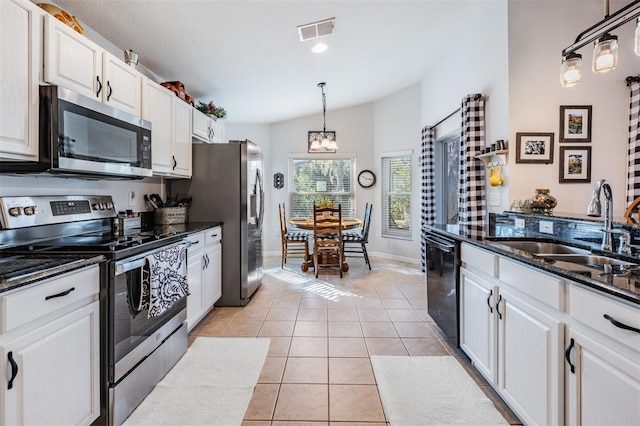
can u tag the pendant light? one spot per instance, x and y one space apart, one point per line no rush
326 143
571 70
605 51
605 54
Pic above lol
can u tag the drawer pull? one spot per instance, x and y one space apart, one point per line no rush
64 293
195 242
567 355
621 325
488 300
14 369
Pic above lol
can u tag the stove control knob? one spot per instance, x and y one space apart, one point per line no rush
96 206
30 210
109 206
15 211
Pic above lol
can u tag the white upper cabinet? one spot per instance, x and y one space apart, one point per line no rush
20 44
73 61
170 119
206 129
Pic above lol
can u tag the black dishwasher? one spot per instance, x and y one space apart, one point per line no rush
443 264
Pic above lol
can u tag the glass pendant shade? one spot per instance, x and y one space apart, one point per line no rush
315 145
571 70
325 142
605 54
637 45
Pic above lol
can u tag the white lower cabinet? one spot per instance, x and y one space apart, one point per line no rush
530 344
602 361
204 263
510 334
50 352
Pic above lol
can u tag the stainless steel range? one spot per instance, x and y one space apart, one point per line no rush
137 348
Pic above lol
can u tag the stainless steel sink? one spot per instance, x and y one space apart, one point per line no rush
589 260
541 247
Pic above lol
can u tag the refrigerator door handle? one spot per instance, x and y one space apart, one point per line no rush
260 192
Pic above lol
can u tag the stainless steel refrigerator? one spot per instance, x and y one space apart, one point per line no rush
227 186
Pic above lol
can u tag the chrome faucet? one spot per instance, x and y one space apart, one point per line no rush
595 209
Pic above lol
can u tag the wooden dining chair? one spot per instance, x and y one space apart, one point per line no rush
327 238
294 243
355 242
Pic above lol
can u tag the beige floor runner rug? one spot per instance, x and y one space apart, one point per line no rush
211 385
431 390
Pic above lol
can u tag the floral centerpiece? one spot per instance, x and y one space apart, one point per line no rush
211 109
325 203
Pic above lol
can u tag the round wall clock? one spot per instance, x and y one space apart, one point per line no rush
366 179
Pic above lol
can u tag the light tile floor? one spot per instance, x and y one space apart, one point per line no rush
322 332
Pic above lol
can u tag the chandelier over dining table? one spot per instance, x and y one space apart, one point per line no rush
325 143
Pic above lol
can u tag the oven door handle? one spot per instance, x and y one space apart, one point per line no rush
139 261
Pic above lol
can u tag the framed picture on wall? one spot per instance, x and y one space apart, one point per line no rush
575 165
575 123
317 136
534 148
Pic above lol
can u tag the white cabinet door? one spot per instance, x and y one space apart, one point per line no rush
182 139
530 350
157 107
478 322
201 125
212 278
122 85
195 265
55 379
20 44
72 60
603 386
217 131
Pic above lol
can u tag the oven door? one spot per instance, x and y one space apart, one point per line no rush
130 328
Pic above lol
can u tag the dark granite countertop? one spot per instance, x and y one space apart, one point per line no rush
56 265
624 287
184 228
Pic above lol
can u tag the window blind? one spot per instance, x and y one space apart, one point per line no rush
396 196
311 180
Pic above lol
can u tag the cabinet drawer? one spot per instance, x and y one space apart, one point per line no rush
197 241
589 308
213 235
31 303
481 260
546 288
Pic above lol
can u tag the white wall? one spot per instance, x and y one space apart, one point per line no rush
476 63
354 134
538 31
396 128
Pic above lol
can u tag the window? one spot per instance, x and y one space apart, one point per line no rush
311 179
449 174
396 195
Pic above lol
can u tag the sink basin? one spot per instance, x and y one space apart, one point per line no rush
541 247
589 260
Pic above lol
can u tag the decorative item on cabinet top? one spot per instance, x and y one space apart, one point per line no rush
63 16
211 109
178 88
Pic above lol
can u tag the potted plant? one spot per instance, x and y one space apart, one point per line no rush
211 109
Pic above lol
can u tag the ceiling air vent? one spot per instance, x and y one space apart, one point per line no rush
316 29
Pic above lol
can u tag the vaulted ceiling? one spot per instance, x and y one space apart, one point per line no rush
246 56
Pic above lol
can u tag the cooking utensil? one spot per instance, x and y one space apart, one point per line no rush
157 199
150 201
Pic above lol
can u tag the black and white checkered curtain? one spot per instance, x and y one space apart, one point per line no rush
428 186
633 153
471 188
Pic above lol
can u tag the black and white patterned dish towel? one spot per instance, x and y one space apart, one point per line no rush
164 280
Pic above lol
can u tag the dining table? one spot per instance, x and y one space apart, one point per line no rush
306 223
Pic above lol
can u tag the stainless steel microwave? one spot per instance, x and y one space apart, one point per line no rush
83 137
